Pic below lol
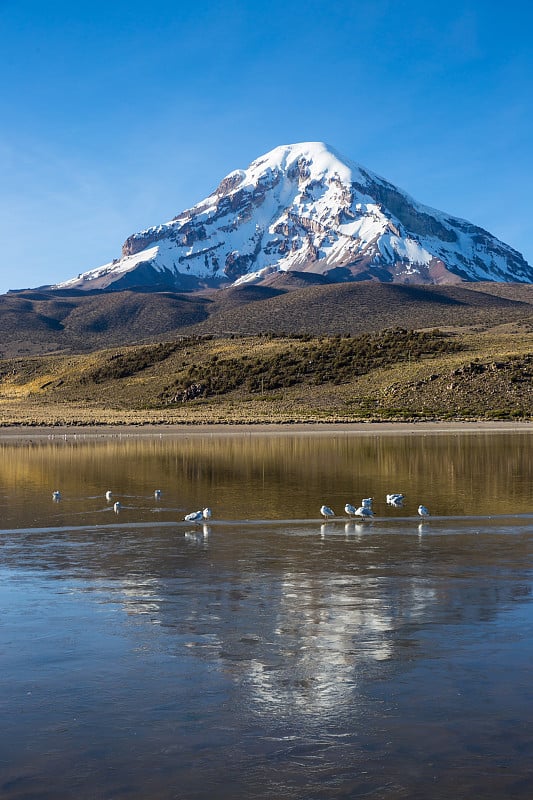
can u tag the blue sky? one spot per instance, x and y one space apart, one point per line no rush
117 116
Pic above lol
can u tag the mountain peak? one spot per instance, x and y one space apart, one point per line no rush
324 157
303 207
319 158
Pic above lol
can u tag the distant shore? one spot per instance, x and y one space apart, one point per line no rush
30 432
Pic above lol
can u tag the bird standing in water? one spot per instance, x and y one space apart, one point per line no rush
364 512
194 516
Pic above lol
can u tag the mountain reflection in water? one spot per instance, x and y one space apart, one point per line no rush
264 653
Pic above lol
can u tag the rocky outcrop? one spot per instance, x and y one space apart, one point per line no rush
138 242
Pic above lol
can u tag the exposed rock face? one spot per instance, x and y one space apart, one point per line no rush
303 208
140 241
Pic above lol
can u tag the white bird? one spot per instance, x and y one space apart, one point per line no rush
396 501
395 498
157 494
327 512
364 512
108 495
422 510
207 513
117 506
195 516
366 502
56 495
350 510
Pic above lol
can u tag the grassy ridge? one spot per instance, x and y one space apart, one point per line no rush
315 362
396 374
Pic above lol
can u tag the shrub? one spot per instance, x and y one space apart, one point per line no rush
326 360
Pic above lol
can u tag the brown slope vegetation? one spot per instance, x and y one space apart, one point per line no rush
126 316
399 375
358 307
37 322
510 291
40 322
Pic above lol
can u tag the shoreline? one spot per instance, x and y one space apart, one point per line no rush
26 432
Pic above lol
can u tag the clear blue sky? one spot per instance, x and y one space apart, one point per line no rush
117 116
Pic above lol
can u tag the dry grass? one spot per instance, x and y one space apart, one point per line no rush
490 376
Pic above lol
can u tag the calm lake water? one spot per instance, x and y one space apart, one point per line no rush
267 654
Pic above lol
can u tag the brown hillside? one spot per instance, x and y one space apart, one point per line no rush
360 307
397 374
38 322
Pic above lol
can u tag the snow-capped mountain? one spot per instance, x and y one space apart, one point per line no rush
303 208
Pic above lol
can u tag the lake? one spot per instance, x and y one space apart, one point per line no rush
266 653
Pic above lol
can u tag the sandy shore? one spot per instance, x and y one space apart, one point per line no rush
30 432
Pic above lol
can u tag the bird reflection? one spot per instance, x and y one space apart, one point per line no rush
326 529
359 530
195 536
355 530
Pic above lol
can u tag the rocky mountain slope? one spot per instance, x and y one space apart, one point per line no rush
304 209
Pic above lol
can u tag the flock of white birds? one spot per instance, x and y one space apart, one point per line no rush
117 505
364 511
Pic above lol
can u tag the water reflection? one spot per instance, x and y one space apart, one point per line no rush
290 657
325 632
198 536
272 641
303 640
270 477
